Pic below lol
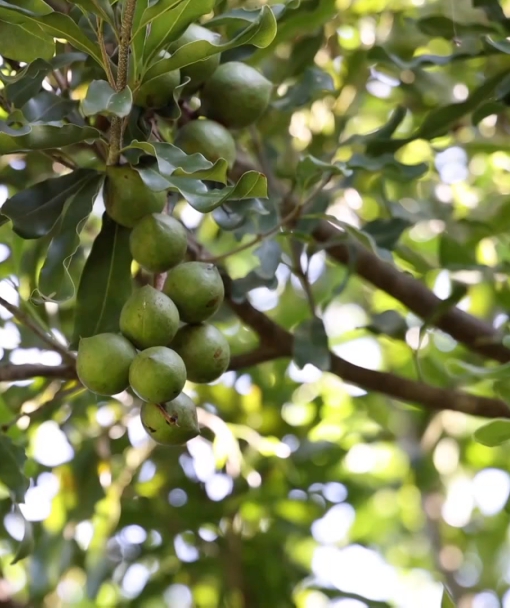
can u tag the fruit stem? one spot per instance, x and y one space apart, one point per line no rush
118 124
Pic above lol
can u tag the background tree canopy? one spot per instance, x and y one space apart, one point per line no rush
354 454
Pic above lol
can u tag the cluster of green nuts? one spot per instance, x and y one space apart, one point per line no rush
233 95
165 339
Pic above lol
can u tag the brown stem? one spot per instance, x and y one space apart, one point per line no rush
15 373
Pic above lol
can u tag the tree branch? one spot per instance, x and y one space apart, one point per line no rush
474 333
27 321
477 335
15 373
278 342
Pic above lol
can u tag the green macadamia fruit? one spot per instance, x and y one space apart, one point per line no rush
204 350
236 95
103 363
196 288
149 318
158 87
158 242
157 374
208 138
200 71
127 199
176 425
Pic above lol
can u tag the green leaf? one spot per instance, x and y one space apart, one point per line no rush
440 26
493 433
102 8
101 98
386 232
464 370
55 282
105 283
447 601
259 32
311 344
155 10
312 83
169 27
173 161
26 83
456 255
42 137
12 460
26 546
311 170
34 211
393 169
28 7
269 254
57 25
251 184
25 42
47 107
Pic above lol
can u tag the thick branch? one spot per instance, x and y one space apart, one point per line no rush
474 333
279 343
15 373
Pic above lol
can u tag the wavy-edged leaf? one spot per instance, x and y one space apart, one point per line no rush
57 25
26 83
168 27
155 10
101 98
25 42
26 545
12 461
311 84
259 32
173 161
493 433
251 184
102 8
30 7
105 283
43 137
311 344
47 107
460 369
311 170
34 211
55 282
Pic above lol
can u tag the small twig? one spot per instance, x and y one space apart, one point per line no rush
303 277
62 393
258 239
60 80
26 320
104 53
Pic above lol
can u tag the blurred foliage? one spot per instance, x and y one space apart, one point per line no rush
389 117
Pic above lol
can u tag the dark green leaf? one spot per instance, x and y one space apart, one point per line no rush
25 42
311 344
446 28
105 283
34 211
173 161
12 460
101 98
456 255
491 107
389 323
43 137
311 170
102 8
386 232
26 546
259 33
168 27
392 168
269 254
55 282
312 83
57 25
47 107
250 185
